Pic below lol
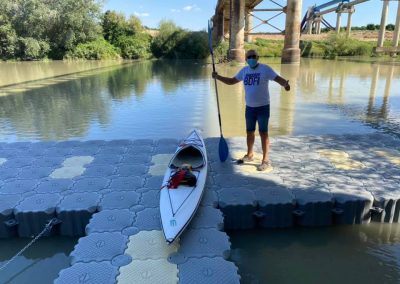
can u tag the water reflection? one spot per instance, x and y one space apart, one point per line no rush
125 82
49 255
57 111
150 99
172 73
341 254
379 112
12 73
326 97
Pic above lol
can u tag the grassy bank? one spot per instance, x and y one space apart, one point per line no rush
333 46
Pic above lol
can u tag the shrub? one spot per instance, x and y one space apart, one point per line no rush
134 47
33 49
340 45
312 48
221 51
266 48
94 50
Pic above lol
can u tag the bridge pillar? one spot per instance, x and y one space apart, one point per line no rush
318 26
385 9
309 21
338 22
236 40
396 33
248 25
219 26
291 49
226 27
348 30
309 27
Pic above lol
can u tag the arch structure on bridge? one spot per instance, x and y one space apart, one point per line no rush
233 20
314 17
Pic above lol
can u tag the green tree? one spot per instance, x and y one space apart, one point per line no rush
390 27
174 42
194 45
63 24
31 18
114 26
164 43
371 27
8 41
77 22
135 25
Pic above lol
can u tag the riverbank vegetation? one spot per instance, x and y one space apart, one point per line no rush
69 29
74 30
333 46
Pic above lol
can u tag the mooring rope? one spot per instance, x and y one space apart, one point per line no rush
48 227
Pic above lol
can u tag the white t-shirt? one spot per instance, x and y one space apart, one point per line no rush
256 84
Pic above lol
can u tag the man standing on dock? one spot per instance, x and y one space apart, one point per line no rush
255 78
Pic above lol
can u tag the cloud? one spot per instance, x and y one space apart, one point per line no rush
141 14
191 8
175 10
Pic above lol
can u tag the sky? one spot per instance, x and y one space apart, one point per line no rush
194 14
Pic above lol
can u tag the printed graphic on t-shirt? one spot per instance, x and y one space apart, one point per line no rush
252 79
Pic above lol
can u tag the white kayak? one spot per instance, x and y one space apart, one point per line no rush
179 205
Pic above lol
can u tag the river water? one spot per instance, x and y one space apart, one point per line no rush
158 99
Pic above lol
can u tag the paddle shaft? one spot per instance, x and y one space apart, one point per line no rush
216 91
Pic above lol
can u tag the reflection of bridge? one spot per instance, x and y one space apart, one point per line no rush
233 20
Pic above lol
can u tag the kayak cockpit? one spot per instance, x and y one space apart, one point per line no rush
189 155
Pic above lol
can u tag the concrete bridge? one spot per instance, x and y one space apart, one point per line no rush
233 20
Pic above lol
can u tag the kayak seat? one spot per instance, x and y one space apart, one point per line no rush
189 155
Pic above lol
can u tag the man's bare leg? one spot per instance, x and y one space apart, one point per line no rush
265 146
250 143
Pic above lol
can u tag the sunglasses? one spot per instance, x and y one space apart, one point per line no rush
252 57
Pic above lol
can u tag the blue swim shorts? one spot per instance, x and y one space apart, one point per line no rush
257 114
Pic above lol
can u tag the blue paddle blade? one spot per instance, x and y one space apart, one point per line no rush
223 149
210 35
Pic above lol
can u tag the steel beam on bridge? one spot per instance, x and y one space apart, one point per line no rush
249 3
353 3
268 10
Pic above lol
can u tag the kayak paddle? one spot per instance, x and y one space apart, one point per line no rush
223 146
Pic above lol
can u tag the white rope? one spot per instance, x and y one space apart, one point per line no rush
48 227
